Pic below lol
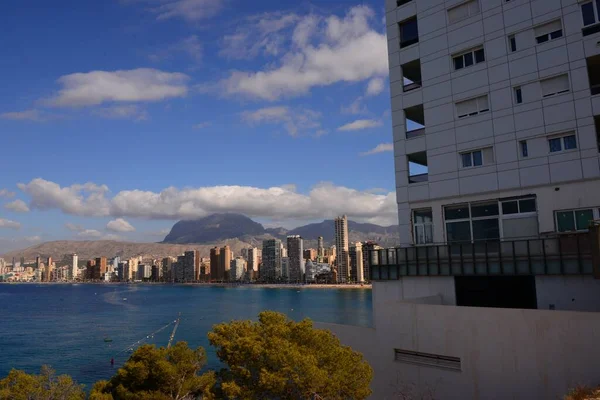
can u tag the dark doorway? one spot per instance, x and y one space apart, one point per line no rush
496 291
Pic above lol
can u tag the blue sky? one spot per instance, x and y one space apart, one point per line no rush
120 117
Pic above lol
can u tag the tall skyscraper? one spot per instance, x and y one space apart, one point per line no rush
74 267
101 268
48 270
296 258
271 260
167 273
215 261
341 245
356 263
38 261
225 261
188 273
253 261
237 269
285 269
320 247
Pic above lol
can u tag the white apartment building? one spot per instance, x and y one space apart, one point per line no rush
341 244
492 292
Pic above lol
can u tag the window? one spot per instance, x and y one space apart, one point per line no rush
409 32
555 85
471 57
519 206
472 222
411 75
549 31
423 226
472 107
523 147
414 119
518 95
477 158
426 359
593 70
462 11
574 220
402 2
418 171
590 11
568 142
512 42
597 126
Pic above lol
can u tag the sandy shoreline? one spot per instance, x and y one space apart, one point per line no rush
216 284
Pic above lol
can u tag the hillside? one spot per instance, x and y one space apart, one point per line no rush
213 228
61 249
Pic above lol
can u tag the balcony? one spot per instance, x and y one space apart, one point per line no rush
411 76
414 120
559 255
418 171
593 68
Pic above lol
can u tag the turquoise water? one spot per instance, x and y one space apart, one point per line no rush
65 325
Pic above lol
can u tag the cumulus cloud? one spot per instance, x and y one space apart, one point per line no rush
360 124
120 225
89 234
190 10
87 199
130 111
375 86
324 51
27 115
17 206
380 148
7 193
8 224
356 107
324 200
295 121
137 85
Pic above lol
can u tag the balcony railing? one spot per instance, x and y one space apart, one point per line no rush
560 255
418 178
415 133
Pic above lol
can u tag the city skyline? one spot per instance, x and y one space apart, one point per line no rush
197 85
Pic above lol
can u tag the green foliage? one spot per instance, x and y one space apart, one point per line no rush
19 385
159 374
276 358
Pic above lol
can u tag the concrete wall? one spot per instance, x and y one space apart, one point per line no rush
505 354
573 293
506 123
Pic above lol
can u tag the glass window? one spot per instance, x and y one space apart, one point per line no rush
556 34
409 32
466 160
510 207
555 145
486 229
587 11
518 95
524 150
456 212
479 56
477 158
468 59
423 224
458 231
484 210
527 205
570 142
565 221
423 216
458 63
583 218
513 43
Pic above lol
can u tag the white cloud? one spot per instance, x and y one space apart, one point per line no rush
202 125
356 107
120 225
74 227
295 121
259 34
380 148
87 199
130 111
17 206
89 234
28 115
98 87
7 193
8 224
190 10
360 124
324 200
323 51
191 45
375 86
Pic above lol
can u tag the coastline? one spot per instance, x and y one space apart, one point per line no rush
209 284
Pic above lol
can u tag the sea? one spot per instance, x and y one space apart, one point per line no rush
77 328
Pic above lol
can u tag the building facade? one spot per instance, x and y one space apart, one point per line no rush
295 258
341 246
355 255
225 257
215 271
271 260
494 111
495 118
74 274
237 269
253 256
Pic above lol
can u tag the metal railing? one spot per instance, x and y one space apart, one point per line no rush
559 255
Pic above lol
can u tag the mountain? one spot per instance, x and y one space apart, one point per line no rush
213 228
219 227
63 249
